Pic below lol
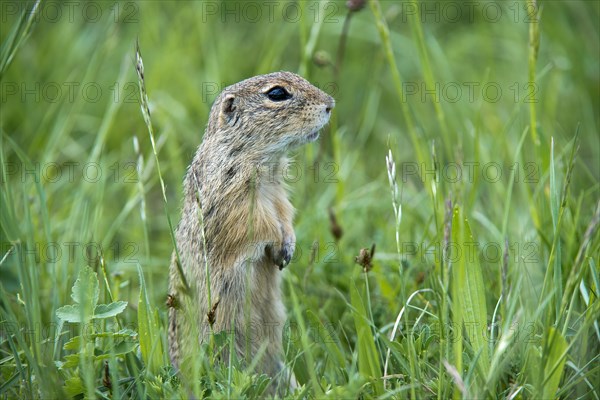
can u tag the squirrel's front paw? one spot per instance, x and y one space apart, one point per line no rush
286 253
281 253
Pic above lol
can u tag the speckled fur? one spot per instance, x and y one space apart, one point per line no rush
236 179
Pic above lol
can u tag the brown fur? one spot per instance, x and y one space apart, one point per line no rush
236 180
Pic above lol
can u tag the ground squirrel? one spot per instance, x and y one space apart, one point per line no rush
236 180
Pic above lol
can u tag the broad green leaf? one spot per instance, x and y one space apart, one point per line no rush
86 292
119 350
556 345
71 361
74 386
73 344
109 310
468 294
70 313
368 357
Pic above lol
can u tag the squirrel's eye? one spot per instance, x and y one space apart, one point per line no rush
278 94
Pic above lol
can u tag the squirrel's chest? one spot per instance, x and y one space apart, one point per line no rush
271 208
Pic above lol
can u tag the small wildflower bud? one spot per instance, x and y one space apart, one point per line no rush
336 229
211 315
106 381
365 258
356 5
321 58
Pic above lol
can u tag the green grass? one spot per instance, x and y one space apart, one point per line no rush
483 284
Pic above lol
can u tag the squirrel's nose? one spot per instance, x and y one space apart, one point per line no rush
330 105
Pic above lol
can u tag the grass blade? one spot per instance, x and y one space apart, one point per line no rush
17 37
556 345
468 292
144 104
368 357
149 330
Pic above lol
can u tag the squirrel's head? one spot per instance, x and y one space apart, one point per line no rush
269 114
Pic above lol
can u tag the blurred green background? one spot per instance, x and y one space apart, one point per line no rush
74 182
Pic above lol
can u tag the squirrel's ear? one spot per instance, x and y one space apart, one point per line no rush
229 113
